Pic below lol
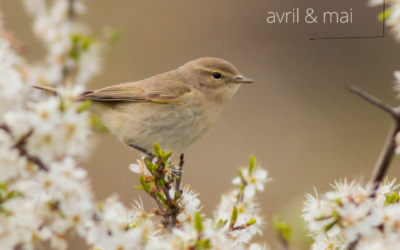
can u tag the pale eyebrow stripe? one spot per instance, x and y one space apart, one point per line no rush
213 70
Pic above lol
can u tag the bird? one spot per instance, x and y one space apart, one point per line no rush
173 109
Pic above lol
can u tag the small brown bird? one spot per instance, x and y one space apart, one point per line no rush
174 109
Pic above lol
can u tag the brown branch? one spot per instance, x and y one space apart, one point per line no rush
178 181
174 215
388 150
20 146
375 101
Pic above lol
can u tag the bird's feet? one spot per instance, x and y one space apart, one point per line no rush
144 151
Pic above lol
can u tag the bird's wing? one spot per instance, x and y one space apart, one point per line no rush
163 88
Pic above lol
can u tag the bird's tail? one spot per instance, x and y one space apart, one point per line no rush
56 91
45 88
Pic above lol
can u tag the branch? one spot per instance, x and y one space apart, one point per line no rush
388 150
375 101
71 16
178 181
174 215
20 145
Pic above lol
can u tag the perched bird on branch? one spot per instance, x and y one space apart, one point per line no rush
174 109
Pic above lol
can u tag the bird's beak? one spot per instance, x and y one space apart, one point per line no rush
241 79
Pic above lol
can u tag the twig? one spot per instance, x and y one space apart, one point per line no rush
174 215
158 202
20 145
71 16
388 151
375 101
389 148
178 181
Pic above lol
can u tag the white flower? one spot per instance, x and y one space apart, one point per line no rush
190 204
140 167
385 190
324 242
255 246
11 164
254 181
359 220
392 220
239 238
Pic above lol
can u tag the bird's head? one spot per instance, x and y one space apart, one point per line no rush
216 78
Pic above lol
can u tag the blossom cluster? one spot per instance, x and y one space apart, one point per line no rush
391 14
73 54
350 214
235 221
178 223
43 191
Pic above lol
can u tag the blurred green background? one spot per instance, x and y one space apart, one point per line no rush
298 118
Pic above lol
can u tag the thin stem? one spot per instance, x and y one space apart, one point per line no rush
178 181
166 192
158 202
389 148
175 213
71 16
385 158
373 100
20 145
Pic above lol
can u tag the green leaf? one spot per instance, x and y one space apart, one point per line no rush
203 244
251 222
252 164
145 185
160 197
221 223
384 15
97 124
392 199
282 228
161 182
3 187
62 105
234 216
157 148
138 187
162 153
198 222
167 156
155 167
14 194
84 106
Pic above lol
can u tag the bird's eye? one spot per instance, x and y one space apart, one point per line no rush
217 75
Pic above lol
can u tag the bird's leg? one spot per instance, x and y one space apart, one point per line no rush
144 151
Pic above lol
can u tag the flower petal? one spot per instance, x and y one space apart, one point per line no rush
249 191
236 180
261 174
135 168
